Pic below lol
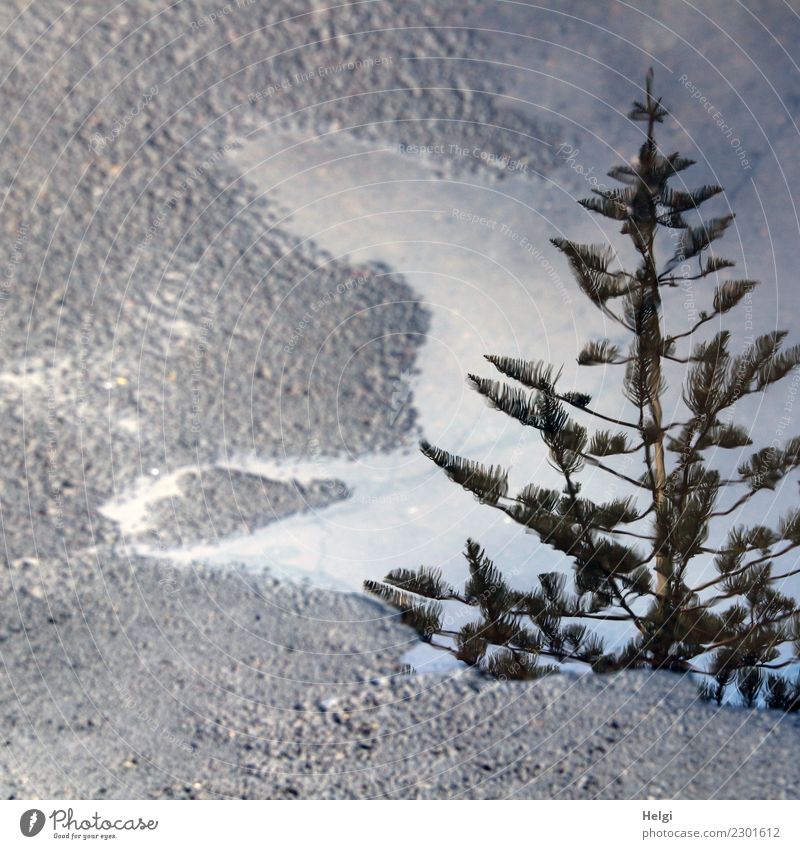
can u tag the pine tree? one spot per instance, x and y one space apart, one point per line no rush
645 559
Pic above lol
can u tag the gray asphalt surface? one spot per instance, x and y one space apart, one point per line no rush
158 682
152 317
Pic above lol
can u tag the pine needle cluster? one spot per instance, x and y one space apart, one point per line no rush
644 560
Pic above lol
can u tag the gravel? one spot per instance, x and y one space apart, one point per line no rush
157 682
217 503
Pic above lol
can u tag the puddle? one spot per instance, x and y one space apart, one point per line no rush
477 254
476 251
130 511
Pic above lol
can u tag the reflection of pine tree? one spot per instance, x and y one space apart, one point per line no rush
637 559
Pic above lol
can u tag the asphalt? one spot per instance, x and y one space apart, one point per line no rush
159 682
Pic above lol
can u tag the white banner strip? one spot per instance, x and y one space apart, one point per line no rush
574 825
